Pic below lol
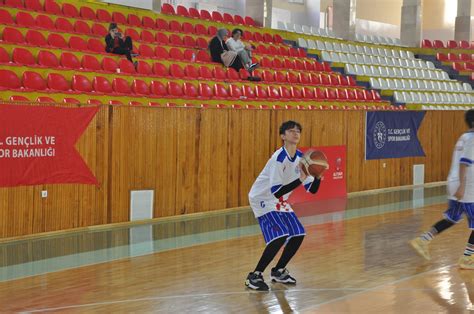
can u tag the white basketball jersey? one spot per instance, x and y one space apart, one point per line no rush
463 154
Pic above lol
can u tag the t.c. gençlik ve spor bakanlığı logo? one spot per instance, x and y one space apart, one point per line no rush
380 134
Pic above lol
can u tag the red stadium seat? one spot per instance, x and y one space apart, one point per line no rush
133 34
9 80
45 100
273 92
281 77
158 89
451 44
176 40
326 67
292 78
103 16
464 44
64 25
48 59
71 101
126 67
144 68
341 94
25 19
95 45
146 51
219 73
119 18
121 86
161 53
249 21
267 38
331 94
23 57
368 95
438 44
191 71
261 92
352 81
304 78
244 74
459 67
109 65
343 81
248 92
14 3
99 30
167 8
200 29
212 30
94 102
134 20
176 71
69 61
162 24
194 13
235 92
205 15
296 92
217 17
308 93
33 81
351 96
188 28
190 91
176 54
465 57
4 56
80 83
268 76
277 63
87 13
34 5
141 88
201 43
442 57
302 53
115 102
426 43
135 103
239 20
203 56
91 63
36 38
453 57
228 18
220 92
175 89
18 98
160 69
5 17
182 11
285 93
12 35
258 37
232 74
51 7
57 82
70 10
289 64
277 39
376 95
176 26
82 27
315 79
320 93
77 43
299 65
205 73
162 38
205 91
148 22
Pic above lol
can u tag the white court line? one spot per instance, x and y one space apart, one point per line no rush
360 290
376 287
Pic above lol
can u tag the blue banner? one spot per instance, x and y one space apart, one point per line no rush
393 134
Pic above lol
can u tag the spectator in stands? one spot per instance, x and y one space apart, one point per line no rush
117 43
244 51
220 53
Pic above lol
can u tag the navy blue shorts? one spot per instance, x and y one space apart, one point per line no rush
277 224
456 210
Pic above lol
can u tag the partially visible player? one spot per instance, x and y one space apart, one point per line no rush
460 195
268 199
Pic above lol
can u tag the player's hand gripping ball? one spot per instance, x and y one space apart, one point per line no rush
314 163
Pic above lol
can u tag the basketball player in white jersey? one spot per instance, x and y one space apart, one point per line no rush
460 197
268 199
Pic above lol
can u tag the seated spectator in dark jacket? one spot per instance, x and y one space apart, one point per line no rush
217 47
117 43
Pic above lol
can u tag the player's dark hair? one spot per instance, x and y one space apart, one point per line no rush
469 118
235 31
288 125
112 26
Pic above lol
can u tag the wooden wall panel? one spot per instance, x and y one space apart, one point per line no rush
198 160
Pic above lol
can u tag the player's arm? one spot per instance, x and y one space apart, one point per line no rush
276 179
311 184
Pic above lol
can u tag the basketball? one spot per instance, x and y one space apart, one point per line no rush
314 163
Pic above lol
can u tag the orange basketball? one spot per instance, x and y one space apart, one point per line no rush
314 163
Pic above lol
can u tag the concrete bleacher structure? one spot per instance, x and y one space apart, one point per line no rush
55 53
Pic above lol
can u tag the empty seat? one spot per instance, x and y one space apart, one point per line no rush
175 89
80 83
126 66
121 86
48 59
12 35
9 80
87 13
70 10
175 26
217 17
228 18
99 30
14 3
194 13
23 56
35 38
91 63
77 43
57 41
95 45
140 87
57 82
33 81
103 16
51 7
69 61
167 8
25 19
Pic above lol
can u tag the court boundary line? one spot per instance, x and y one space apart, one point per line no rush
351 295
177 296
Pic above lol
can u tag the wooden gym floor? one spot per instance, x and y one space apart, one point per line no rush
356 261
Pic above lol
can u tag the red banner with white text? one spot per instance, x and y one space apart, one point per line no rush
37 145
332 192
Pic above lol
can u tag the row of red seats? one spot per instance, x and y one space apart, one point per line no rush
25 19
451 44
463 67
69 61
215 16
32 81
454 57
56 40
